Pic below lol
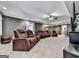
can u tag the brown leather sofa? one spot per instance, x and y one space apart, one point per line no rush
44 34
30 33
54 34
5 40
22 41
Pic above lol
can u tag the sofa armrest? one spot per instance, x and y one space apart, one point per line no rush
21 44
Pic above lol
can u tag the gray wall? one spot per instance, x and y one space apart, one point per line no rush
56 28
11 24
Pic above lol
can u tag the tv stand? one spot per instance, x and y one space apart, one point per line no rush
71 51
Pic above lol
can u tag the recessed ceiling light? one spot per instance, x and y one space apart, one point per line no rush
4 8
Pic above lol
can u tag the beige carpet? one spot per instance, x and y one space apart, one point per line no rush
51 47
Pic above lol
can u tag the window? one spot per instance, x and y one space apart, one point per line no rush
30 26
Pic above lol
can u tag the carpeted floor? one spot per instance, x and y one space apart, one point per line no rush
51 47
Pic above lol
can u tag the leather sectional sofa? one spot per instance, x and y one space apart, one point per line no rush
30 34
54 34
24 40
44 34
5 40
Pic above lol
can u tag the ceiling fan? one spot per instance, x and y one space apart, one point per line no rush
52 17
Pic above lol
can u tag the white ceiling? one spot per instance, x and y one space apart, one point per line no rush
35 10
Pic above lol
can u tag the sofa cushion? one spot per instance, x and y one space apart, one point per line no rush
22 33
33 40
21 30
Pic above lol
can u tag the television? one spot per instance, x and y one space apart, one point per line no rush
74 37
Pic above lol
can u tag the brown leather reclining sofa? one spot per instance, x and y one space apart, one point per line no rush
44 34
54 34
24 40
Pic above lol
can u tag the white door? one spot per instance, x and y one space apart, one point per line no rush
64 30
